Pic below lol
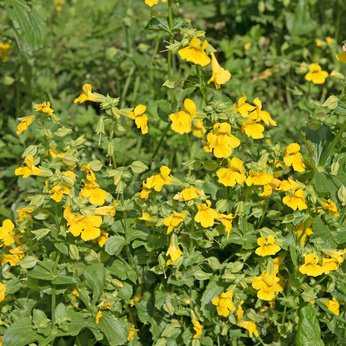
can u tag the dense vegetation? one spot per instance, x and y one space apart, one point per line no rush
172 172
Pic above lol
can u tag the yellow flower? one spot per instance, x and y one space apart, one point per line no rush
267 286
206 215
267 246
140 118
253 129
173 220
102 239
198 328
59 5
294 158
182 120
234 174
92 191
260 115
333 306
151 3
4 50
311 266
224 303
226 220
132 331
88 95
58 191
86 226
7 233
220 140
296 200
98 316
29 168
44 107
244 108
330 207
14 257
24 124
219 76
188 194
195 52
173 251
316 75
156 182
333 261
303 233
198 129
259 178
268 188
329 40
250 327
2 292
239 312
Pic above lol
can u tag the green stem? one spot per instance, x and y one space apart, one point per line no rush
171 38
163 136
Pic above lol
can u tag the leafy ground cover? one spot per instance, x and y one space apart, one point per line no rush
172 173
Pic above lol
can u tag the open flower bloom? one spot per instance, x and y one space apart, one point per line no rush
158 181
92 191
58 191
224 303
182 121
333 306
311 266
146 217
29 168
226 220
330 206
195 52
85 226
259 178
294 158
267 286
244 108
206 215
188 194
14 256
316 75
253 129
295 197
44 107
88 95
140 118
173 251
2 292
24 124
233 175
219 76
7 233
303 233
333 261
151 3
220 141
250 327
268 188
267 246
173 220
258 114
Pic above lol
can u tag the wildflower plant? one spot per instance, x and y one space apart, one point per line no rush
178 221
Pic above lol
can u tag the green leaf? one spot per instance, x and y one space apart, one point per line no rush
20 333
27 24
95 279
114 329
43 271
138 167
114 245
309 332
